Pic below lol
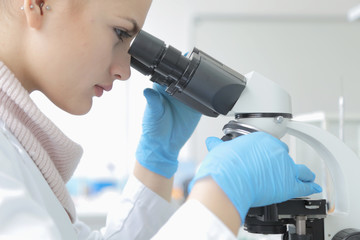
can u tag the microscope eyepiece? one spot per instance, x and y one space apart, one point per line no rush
147 49
198 80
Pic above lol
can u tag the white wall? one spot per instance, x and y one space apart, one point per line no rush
172 20
276 7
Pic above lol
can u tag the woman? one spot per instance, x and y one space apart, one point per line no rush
73 50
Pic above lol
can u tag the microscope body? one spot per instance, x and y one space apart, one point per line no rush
259 104
332 216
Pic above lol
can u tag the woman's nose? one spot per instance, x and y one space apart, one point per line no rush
120 69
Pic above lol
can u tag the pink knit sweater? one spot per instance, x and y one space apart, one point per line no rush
55 155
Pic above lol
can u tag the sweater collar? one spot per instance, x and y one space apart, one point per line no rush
55 154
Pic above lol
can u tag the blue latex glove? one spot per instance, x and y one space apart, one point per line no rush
255 170
167 125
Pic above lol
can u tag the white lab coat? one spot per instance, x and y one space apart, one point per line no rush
30 210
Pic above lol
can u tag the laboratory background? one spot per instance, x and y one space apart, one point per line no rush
311 48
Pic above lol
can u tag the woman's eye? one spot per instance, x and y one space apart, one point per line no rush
121 34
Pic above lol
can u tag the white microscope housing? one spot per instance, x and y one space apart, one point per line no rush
265 106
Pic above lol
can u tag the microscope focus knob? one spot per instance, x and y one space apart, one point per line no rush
347 234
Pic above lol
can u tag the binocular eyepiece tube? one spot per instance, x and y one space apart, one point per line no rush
197 80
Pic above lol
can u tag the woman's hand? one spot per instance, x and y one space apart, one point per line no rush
167 125
255 170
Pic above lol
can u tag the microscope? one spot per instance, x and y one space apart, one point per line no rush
258 104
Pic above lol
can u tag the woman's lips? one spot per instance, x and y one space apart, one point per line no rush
99 90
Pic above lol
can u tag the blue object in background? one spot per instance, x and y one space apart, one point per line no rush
91 187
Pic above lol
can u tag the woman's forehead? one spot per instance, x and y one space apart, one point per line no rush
132 9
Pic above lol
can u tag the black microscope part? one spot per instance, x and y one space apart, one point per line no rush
275 218
348 234
198 80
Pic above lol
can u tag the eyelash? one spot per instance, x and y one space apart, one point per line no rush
121 34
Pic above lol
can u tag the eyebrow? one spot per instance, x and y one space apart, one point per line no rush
135 29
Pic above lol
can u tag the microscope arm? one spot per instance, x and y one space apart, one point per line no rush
331 150
343 166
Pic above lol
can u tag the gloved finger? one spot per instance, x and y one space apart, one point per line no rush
212 142
304 174
183 107
306 189
162 90
284 145
159 88
155 103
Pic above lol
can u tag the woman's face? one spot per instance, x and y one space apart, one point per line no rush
77 53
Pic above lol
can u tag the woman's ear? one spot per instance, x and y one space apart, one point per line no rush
33 13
